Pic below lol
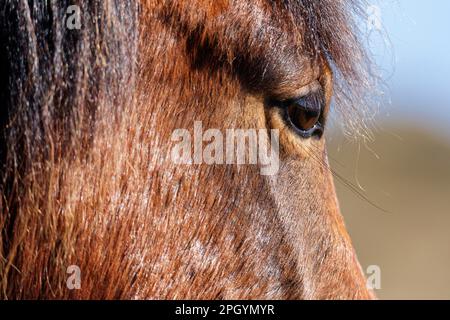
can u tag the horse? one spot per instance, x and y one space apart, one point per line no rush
88 181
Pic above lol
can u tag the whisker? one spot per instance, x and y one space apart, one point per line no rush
347 183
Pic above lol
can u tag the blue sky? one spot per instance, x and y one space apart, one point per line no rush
415 59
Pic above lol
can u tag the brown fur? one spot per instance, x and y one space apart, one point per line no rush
87 175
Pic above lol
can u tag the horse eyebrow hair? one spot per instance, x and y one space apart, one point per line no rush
338 37
330 30
333 29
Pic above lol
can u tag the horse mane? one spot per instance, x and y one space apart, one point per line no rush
56 83
60 88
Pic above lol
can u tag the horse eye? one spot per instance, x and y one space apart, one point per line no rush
305 114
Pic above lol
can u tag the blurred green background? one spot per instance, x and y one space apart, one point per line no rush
406 169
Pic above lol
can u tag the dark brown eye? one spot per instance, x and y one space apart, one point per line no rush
305 115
